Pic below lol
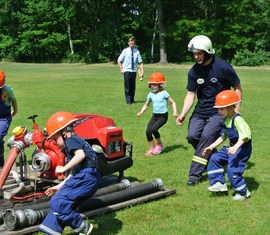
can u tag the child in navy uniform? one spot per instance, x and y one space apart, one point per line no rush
7 99
81 184
236 155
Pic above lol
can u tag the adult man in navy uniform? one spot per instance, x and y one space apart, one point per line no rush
209 76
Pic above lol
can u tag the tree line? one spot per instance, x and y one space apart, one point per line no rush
95 31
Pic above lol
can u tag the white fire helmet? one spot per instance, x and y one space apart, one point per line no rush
201 42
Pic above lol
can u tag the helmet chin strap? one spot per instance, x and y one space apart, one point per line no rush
207 56
62 132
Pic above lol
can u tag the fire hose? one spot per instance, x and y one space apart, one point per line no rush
22 217
13 153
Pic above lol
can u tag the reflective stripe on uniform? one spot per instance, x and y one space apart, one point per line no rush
77 230
240 188
215 171
200 160
45 229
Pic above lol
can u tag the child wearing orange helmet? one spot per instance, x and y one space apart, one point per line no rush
7 101
79 185
234 156
159 97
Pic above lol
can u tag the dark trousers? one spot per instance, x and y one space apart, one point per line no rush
157 121
130 86
201 133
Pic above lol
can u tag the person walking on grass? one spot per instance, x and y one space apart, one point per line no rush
159 97
80 184
209 76
234 156
7 101
128 62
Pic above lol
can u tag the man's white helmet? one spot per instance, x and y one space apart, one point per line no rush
201 42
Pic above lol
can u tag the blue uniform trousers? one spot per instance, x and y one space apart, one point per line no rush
201 133
77 188
236 164
4 126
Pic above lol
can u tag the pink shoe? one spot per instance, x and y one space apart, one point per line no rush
149 153
158 149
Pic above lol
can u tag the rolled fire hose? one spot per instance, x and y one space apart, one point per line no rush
28 215
14 219
120 196
10 194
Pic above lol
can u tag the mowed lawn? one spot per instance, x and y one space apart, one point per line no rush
43 89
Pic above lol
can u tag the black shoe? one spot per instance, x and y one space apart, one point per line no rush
192 182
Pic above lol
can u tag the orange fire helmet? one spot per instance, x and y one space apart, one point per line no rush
2 78
156 77
59 121
226 98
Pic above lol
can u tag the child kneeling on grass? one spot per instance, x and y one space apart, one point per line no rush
234 156
81 184
159 98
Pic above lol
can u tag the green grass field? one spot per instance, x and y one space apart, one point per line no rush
46 88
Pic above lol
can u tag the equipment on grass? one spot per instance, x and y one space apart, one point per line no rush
98 130
22 185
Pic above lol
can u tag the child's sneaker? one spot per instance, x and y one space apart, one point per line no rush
149 153
218 187
239 197
87 229
158 149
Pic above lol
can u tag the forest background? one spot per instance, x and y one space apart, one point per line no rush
91 31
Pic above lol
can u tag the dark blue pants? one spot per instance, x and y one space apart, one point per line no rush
236 166
77 188
129 86
4 126
201 133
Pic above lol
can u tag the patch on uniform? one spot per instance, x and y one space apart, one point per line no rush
200 81
4 97
213 80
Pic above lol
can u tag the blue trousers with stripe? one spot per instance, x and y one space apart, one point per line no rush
77 188
236 164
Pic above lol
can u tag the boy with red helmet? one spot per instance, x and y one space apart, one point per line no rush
159 97
79 185
236 155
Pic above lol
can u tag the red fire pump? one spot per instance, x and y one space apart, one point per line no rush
114 154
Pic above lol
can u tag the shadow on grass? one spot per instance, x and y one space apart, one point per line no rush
104 224
250 165
252 184
107 224
139 101
173 147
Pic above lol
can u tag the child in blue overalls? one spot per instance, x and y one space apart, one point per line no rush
234 156
7 99
159 97
81 184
